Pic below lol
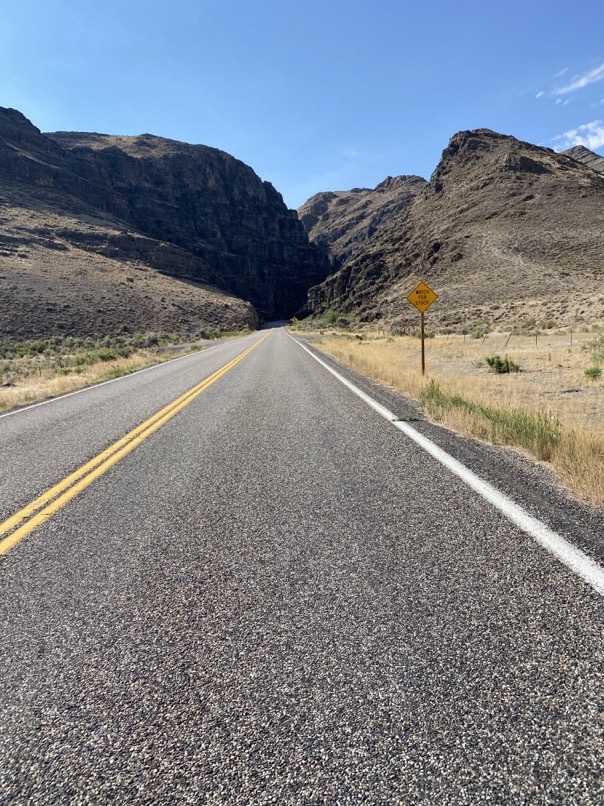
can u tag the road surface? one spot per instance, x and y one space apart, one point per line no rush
268 593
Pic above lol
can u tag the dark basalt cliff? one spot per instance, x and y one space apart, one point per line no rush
341 222
190 212
210 204
504 231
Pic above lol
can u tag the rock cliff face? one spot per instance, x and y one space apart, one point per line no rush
505 232
64 270
342 221
210 204
191 213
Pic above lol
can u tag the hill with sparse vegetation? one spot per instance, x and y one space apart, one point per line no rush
507 233
103 233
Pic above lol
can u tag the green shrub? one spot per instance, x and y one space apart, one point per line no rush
38 347
502 365
106 354
593 373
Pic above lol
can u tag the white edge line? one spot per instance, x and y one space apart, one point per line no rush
575 559
112 380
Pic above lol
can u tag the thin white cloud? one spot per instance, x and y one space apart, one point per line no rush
560 73
578 82
590 135
540 94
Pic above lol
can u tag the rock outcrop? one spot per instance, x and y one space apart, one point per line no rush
340 222
186 213
587 157
505 232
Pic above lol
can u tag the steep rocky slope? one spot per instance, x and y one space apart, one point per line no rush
81 211
210 204
587 157
505 232
66 269
340 222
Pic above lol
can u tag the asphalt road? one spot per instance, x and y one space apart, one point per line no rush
278 597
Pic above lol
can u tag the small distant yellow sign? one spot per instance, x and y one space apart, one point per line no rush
422 297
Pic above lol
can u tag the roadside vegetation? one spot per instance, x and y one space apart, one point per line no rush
544 396
31 371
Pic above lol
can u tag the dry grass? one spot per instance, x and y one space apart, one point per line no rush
47 383
32 371
550 408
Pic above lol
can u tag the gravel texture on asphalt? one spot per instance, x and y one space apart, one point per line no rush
277 598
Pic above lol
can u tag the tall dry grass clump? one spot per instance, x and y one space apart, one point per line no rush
537 432
580 462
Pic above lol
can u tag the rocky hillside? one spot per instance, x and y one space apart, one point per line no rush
587 157
66 269
100 232
505 232
341 222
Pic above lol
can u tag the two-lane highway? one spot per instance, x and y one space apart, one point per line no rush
276 596
43 442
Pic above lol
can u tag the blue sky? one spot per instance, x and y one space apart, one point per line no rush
314 95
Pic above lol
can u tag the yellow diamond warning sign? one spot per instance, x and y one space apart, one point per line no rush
422 297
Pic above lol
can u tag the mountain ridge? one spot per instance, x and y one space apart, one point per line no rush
339 222
505 231
587 157
189 214
100 232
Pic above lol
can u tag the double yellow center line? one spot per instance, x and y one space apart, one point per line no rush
44 506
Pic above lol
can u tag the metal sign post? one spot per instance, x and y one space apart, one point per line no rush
421 298
421 319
